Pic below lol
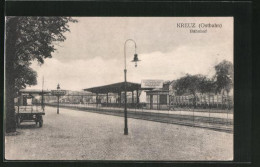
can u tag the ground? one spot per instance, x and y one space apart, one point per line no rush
80 135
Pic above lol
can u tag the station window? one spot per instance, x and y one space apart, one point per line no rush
163 99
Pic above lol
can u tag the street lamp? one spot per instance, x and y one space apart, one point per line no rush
58 93
58 86
134 60
58 107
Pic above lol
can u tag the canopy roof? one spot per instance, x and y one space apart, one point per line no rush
34 91
115 88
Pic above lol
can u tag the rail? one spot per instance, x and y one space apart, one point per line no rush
221 120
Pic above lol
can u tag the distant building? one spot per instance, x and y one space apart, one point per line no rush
159 98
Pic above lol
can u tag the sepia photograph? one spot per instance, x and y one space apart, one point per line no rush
119 88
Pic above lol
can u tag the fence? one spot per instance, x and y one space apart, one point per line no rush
217 102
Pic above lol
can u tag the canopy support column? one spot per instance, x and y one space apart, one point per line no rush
137 97
96 99
107 99
132 98
120 99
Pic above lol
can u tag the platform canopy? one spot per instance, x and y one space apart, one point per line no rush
115 88
34 91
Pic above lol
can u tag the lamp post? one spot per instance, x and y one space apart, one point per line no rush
58 93
58 107
134 60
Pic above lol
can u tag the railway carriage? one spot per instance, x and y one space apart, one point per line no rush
30 107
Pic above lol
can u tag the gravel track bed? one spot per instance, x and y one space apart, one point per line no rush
78 135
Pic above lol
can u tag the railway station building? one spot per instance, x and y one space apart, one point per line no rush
159 98
113 95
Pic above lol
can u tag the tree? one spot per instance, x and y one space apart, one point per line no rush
28 39
189 84
224 76
25 76
207 85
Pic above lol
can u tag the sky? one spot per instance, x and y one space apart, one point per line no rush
93 52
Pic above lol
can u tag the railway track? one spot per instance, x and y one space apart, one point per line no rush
217 124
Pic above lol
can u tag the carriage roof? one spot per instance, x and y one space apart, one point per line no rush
34 91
